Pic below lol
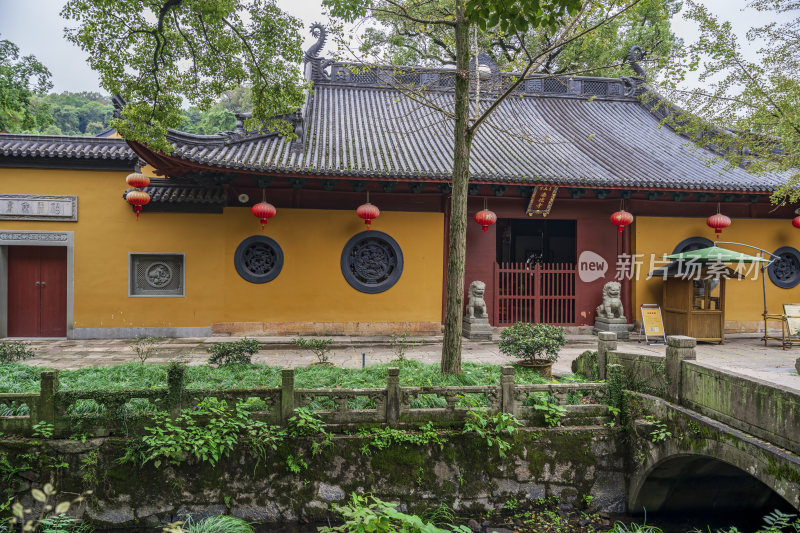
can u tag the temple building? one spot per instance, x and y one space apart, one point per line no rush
554 162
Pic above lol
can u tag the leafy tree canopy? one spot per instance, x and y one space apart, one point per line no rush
646 24
21 78
747 111
157 54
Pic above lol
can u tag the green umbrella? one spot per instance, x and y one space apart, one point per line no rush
715 254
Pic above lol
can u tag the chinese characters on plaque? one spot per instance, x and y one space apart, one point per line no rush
542 200
38 207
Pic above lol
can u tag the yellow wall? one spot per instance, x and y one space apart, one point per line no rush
310 288
659 235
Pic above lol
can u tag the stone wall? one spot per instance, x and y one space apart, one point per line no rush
566 462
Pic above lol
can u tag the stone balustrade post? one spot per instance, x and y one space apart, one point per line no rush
507 386
393 396
606 342
176 377
47 396
287 395
679 349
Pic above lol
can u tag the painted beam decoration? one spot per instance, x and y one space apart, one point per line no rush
542 200
38 207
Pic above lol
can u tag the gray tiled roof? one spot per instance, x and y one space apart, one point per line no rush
14 146
372 131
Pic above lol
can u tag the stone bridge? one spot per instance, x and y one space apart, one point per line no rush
733 441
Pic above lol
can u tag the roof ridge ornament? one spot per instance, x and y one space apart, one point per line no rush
632 83
312 57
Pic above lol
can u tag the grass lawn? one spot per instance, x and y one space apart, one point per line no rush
15 377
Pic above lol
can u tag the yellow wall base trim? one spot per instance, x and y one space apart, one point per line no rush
326 328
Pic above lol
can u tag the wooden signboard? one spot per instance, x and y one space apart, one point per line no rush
652 325
542 200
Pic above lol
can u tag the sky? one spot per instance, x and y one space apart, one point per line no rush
36 27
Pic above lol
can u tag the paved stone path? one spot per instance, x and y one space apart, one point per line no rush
740 354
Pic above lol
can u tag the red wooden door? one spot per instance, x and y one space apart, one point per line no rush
37 291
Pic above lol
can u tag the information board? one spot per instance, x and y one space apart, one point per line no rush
653 324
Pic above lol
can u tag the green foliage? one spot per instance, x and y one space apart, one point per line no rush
382 438
81 113
13 351
235 352
173 442
369 514
43 429
52 517
659 432
157 55
21 78
493 429
319 347
16 377
633 527
748 106
144 347
400 344
533 342
63 523
774 522
216 524
211 430
553 413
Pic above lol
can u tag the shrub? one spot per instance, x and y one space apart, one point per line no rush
145 347
533 342
216 524
236 352
13 351
320 347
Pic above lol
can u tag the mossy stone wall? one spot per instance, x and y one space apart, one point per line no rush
566 462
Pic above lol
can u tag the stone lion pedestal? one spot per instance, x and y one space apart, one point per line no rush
476 325
610 314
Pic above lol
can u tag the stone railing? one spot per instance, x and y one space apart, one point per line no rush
128 411
765 410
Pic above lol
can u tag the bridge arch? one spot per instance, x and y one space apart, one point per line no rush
711 473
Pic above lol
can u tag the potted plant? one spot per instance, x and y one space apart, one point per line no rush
537 345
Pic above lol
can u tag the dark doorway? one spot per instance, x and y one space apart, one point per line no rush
535 272
37 291
536 241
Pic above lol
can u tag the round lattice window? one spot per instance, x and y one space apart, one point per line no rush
158 275
258 259
785 272
372 262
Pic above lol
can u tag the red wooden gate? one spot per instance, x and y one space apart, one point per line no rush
534 293
37 291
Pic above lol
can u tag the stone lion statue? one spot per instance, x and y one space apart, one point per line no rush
476 306
612 304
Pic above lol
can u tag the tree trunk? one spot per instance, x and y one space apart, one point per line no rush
454 303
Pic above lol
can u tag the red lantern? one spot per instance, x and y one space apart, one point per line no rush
137 199
718 222
621 219
368 212
264 211
796 222
137 180
485 218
